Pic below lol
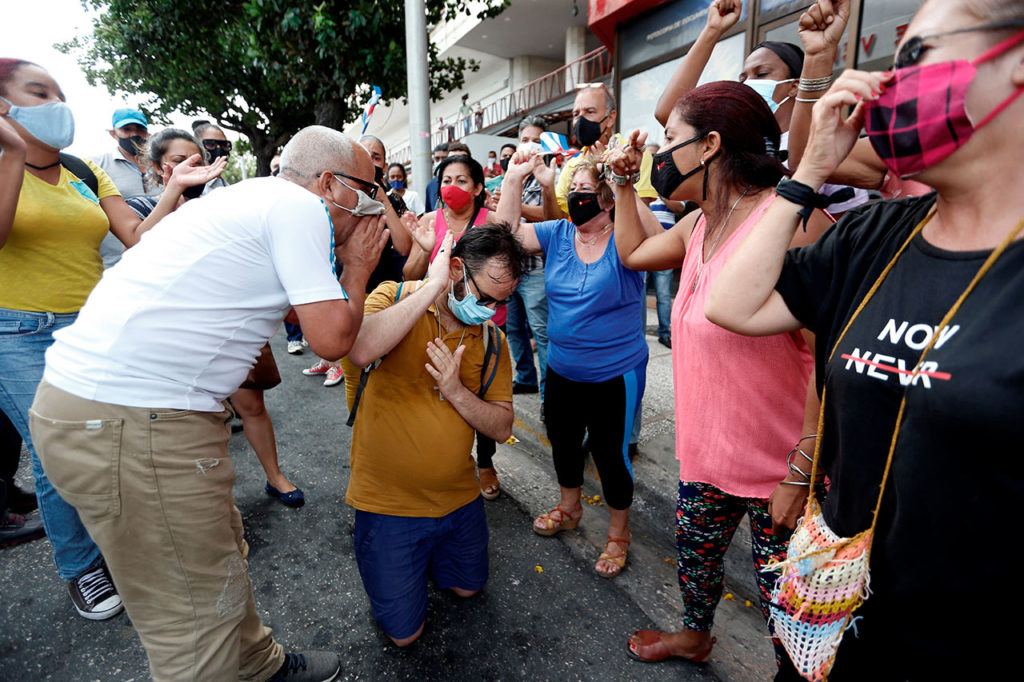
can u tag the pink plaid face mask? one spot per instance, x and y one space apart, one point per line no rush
922 118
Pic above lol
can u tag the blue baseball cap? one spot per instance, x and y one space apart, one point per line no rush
123 117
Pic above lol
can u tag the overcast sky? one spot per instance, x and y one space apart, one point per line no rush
29 29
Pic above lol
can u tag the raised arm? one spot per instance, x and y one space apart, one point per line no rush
423 239
821 30
510 205
743 298
125 223
12 173
722 15
383 330
640 245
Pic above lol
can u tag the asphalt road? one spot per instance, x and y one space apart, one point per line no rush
544 615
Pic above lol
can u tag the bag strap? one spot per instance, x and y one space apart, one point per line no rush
81 169
946 319
492 344
364 375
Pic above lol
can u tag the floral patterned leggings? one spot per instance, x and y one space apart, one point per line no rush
706 520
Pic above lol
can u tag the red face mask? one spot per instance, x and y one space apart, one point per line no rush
455 197
921 118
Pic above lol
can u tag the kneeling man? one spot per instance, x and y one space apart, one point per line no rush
444 373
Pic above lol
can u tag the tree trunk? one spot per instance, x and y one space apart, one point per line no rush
331 113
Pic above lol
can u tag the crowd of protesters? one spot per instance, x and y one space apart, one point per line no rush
839 362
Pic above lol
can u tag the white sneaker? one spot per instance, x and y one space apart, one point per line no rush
305 344
295 347
334 376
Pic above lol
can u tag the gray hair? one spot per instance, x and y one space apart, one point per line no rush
315 150
534 121
373 138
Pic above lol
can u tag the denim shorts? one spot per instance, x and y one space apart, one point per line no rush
398 554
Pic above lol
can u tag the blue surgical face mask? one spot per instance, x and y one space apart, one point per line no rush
397 184
766 88
467 310
52 123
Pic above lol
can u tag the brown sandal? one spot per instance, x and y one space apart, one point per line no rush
649 647
491 491
617 559
551 526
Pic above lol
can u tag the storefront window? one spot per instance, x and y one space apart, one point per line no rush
787 33
883 24
663 30
640 93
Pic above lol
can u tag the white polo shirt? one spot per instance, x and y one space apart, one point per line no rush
179 321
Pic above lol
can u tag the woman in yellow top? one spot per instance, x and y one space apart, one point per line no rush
51 225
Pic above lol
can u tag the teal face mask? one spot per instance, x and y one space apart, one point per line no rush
52 123
467 310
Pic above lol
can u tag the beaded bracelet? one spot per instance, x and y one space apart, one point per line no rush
815 84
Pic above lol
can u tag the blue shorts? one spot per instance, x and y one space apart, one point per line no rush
397 554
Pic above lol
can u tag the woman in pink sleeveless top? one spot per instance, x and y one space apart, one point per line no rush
739 401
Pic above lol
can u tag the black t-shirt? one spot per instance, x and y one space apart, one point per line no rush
943 564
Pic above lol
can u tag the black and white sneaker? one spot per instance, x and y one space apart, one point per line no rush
311 666
94 595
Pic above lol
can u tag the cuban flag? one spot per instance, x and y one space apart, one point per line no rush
368 112
553 143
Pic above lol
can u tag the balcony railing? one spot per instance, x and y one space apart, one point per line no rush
592 67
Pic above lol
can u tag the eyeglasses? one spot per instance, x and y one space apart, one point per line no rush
481 297
914 49
370 187
210 145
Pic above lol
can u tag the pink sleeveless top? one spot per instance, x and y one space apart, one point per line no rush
739 400
441 227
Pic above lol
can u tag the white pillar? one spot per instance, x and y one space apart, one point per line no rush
419 93
575 47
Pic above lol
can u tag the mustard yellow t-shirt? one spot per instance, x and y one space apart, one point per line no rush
51 260
411 451
643 187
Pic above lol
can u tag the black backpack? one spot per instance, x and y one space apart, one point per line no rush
82 170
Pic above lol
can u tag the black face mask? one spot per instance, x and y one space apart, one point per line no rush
665 176
378 174
504 163
133 145
587 132
193 192
583 206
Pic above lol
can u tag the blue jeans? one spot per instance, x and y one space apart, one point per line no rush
293 331
663 292
529 303
24 338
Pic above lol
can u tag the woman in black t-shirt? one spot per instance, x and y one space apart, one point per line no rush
940 553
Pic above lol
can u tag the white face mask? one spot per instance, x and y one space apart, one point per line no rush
766 88
364 204
530 147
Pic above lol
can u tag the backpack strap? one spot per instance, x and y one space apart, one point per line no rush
492 345
81 169
365 374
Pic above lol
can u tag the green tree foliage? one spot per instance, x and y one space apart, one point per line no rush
263 68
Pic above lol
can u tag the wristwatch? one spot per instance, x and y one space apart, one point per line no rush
622 179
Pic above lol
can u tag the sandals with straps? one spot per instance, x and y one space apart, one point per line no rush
552 526
617 559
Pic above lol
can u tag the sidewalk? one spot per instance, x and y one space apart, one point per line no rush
650 579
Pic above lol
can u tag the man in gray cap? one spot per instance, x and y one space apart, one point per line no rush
127 167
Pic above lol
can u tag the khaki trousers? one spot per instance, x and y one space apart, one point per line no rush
153 488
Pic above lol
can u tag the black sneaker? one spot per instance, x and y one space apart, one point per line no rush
312 666
15 528
94 595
